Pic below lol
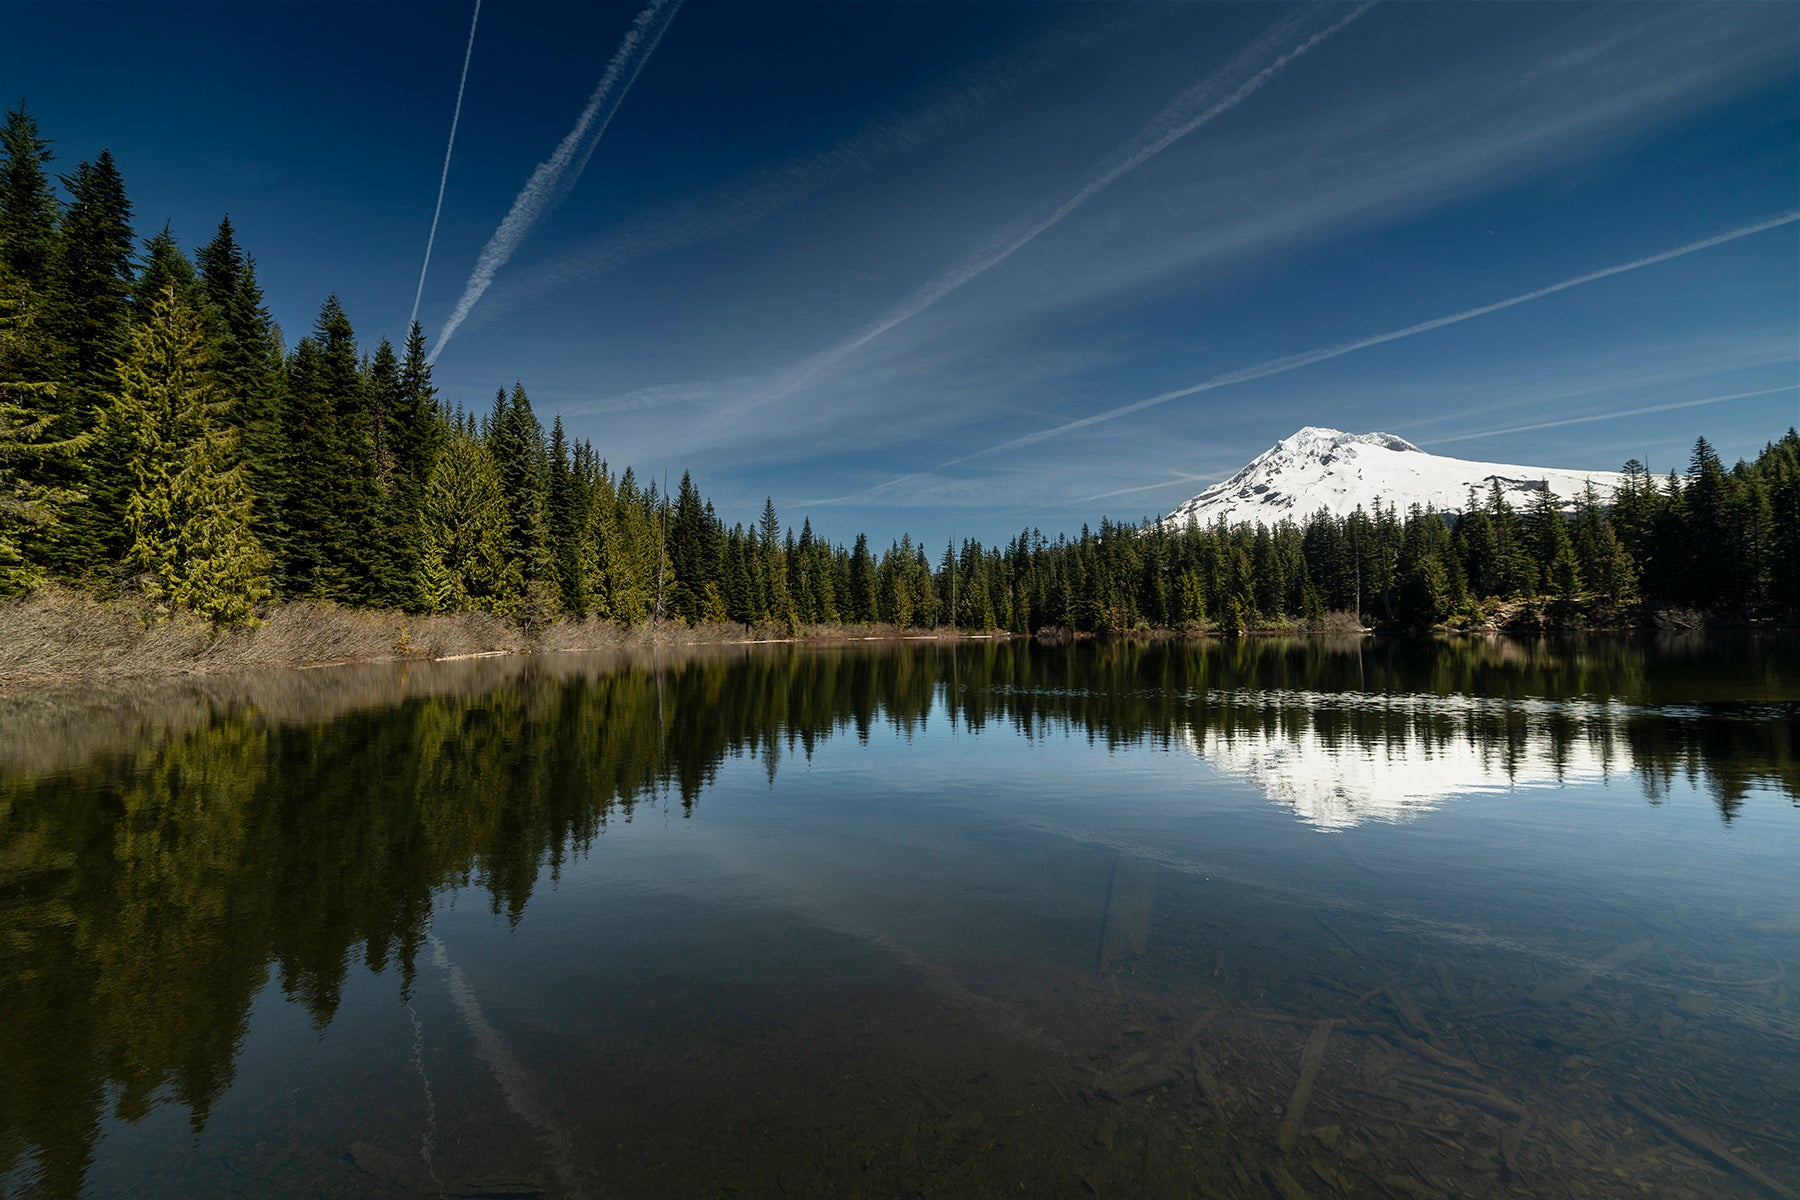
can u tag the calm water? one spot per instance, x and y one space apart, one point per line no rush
1271 919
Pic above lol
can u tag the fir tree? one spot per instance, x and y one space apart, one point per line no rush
164 268
188 518
93 271
515 438
249 369
28 208
463 563
567 508
35 463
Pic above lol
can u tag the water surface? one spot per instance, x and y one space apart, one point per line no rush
1265 919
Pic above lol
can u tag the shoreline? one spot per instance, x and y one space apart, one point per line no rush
59 636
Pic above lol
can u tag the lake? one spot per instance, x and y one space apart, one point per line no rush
1272 918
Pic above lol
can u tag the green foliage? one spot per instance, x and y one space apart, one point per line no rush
28 208
250 370
463 564
188 518
34 508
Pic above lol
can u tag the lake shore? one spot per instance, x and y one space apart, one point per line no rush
58 635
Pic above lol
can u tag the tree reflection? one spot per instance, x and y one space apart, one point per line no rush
162 855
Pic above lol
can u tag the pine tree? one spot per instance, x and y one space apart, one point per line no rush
164 267
188 517
87 310
567 507
28 207
331 549
862 583
388 549
780 605
463 563
35 464
92 272
249 370
32 514
515 438
693 549
1780 464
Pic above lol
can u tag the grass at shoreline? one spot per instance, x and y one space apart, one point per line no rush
58 633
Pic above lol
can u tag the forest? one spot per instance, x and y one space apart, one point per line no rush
161 442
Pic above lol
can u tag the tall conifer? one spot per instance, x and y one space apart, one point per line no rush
250 371
188 516
28 208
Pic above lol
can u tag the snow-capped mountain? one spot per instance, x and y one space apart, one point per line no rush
1337 782
1340 472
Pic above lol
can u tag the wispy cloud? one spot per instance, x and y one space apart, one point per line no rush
1294 362
444 178
1288 39
553 178
1646 410
744 202
1143 487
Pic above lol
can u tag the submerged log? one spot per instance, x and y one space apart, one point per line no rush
1311 1059
1558 990
1703 1143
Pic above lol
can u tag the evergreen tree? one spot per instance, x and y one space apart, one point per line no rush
1780 466
87 310
567 510
779 605
862 583
249 370
92 273
188 518
515 438
463 560
35 464
164 268
691 552
327 471
389 540
28 207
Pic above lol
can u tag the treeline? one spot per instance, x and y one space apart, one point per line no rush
158 438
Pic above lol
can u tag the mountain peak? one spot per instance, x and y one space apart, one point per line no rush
1318 436
1320 468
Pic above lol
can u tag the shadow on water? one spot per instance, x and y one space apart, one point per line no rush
166 853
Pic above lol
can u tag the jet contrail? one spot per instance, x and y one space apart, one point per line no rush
444 179
558 173
742 202
1200 104
518 1084
1623 412
1294 362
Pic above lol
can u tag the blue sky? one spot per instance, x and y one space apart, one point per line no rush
823 252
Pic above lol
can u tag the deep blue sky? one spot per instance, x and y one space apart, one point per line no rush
824 249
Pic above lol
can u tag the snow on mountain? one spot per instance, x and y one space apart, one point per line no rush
1340 472
1331 781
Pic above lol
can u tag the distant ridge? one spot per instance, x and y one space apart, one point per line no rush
1340 472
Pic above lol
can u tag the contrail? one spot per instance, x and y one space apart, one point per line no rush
444 179
517 1084
1144 487
1623 412
743 202
1293 362
558 173
1200 104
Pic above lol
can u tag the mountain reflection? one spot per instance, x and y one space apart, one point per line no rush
164 852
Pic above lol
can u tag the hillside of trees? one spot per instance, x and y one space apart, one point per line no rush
160 440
